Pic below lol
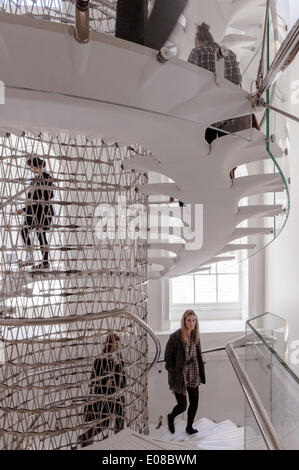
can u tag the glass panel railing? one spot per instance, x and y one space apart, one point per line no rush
272 375
253 439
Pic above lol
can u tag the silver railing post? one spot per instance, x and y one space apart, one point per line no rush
82 21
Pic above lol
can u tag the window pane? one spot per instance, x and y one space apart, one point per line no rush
228 288
231 267
182 290
211 269
205 289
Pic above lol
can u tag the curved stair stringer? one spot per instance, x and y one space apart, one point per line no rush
79 96
206 181
154 104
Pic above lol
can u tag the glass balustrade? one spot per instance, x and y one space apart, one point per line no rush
269 365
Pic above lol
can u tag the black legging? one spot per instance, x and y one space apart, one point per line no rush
41 234
103 411
130 20
133 23
181 406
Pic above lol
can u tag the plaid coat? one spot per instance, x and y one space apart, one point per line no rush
175 358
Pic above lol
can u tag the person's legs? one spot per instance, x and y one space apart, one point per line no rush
97 411
179 408
162 21
25 234
130 18
44 246
119 419
213 134
181 405
43 225
193 394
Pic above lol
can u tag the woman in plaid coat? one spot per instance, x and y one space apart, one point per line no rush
185 366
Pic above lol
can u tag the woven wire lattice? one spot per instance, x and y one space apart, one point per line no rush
102 13
73 272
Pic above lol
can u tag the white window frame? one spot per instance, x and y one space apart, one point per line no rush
211 311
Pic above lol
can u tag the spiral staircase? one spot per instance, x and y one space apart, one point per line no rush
124 92
151 102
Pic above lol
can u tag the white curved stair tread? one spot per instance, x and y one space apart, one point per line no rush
231 40
129 440
246 212
201 425
209 177
212 435
210 429
249 231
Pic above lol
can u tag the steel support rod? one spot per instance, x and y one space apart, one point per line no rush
280 111
82 21
260 73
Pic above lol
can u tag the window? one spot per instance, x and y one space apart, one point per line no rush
216 293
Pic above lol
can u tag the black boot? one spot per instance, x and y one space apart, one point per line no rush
170 422
191 430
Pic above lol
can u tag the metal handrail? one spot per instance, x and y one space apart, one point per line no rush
261 417
260 73
287 52
88 317
206 351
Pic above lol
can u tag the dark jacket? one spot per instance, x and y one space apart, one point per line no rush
36 211
104 371
175 358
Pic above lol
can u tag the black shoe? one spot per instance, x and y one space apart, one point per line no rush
191 430
25 264
170 422
43 265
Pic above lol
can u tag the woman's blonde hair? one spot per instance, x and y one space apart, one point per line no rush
184 330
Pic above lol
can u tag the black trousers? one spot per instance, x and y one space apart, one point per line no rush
130 20
133 23
181 406
103 411
41 234
213 134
